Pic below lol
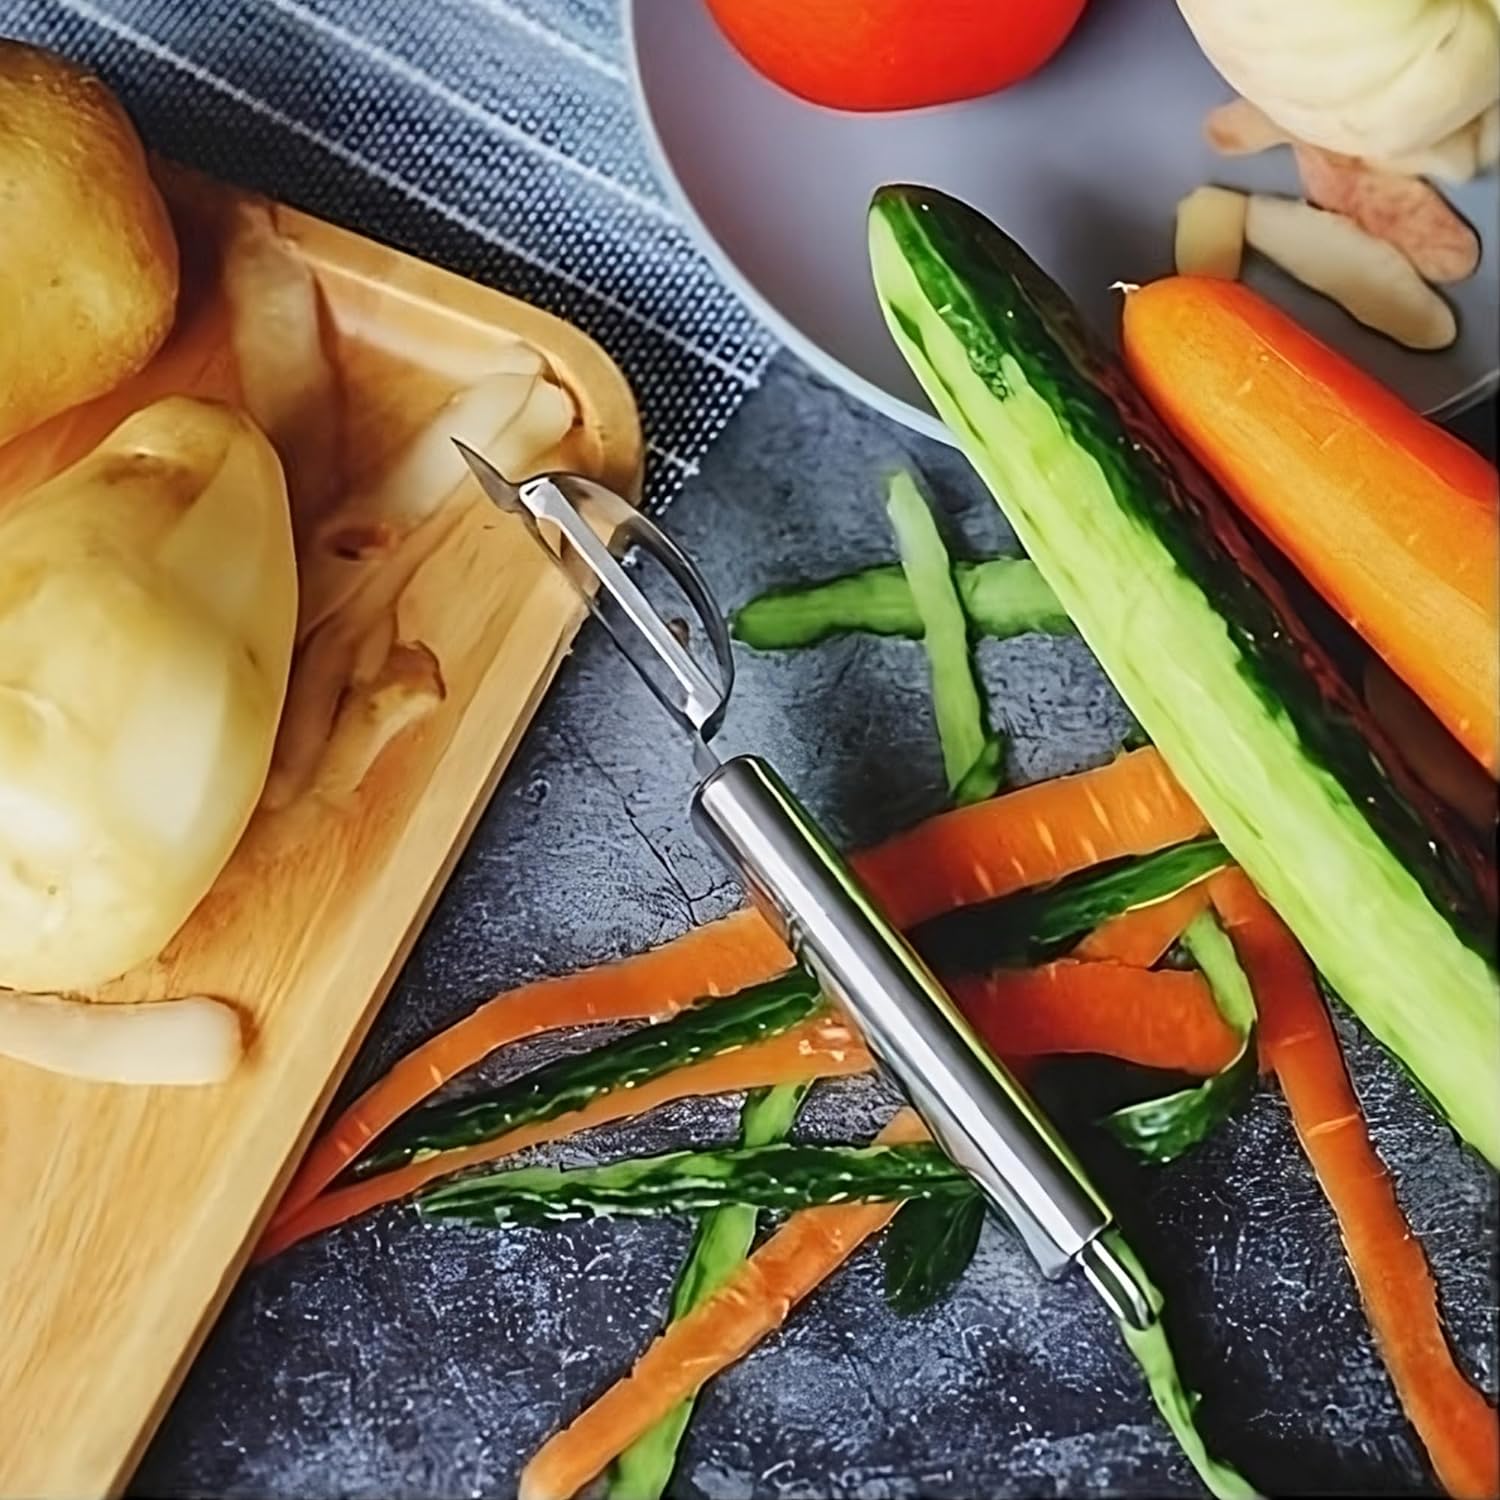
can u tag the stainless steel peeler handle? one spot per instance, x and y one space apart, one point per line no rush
975 1110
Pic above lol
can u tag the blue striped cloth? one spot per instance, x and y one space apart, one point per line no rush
495 137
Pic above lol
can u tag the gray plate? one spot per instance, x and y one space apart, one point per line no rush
1083 164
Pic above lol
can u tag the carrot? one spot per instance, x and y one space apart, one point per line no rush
818 1048
1142 935
753 1303
1028 837
1077 1008
717 958
1453 1419
1037 834
1157 1018
1394 521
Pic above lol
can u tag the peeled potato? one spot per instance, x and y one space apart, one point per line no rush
1210 233
148 601
88 275
1369 278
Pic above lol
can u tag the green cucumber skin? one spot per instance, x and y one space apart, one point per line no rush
972 752
927 1248
1391 901
1178 1405
704 1030
1160 1130
777 1176
1034 926
721 1242
1002 597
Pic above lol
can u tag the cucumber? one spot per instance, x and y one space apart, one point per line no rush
971 750
704 1030
1392 901
1036 925
1002 597
686 1182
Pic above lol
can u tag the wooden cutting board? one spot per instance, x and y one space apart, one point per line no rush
128 1213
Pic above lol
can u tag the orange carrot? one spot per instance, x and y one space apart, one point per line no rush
818 1048
1158 1018
1394 521
1453 1419
717 958
1142 935
1028 837
1070 1017
1032 836
753 1303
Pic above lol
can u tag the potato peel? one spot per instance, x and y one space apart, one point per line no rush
383 533
369 527
1238 128
1368 277
1408 212
1210 238
192 1041
289 383
407 689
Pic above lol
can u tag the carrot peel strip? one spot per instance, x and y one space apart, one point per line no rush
976 853
1142 935
1458 1426
1157 1018
1031 836
753 1303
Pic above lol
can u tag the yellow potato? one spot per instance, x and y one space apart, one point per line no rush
88 277
148 606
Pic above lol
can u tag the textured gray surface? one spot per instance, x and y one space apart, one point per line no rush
392 1359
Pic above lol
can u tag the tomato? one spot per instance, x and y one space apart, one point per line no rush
895 54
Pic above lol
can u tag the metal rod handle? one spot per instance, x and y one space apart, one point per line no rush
974 1108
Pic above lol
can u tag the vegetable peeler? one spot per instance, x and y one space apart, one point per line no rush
976 1111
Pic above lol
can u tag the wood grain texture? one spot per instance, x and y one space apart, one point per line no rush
130 1212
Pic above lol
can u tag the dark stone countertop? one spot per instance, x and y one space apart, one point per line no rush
388 1359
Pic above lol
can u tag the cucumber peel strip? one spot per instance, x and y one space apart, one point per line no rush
1160 1130
703 1030
720 1244
1177 1404
927 1248
971 750
1002 597
780 1175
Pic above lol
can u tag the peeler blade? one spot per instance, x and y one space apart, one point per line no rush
585 528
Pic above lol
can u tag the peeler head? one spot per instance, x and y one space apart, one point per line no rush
586 530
